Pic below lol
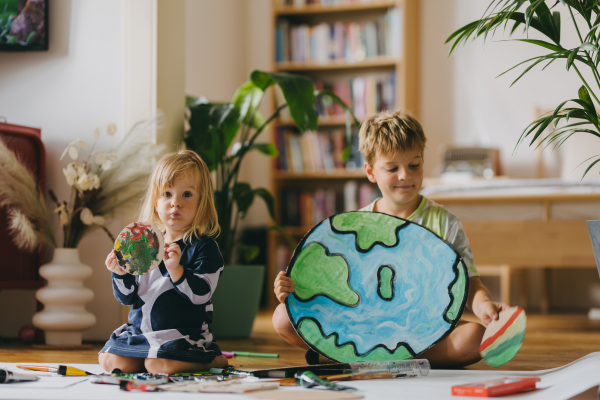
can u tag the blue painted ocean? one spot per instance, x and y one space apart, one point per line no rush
423 271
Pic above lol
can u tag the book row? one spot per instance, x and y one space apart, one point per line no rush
316 151
303 3
366 95
349 41
307 208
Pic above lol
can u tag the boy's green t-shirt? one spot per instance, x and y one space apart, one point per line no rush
444 224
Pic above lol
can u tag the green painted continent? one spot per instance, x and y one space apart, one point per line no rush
458 294
315 273
346 353
369 227
386 283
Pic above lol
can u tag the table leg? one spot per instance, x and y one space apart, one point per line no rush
523 298
545 304
505 275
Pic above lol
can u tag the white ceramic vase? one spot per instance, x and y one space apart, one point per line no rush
64 317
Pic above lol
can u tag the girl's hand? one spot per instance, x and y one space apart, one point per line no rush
283 286
488 311
172 256
112 264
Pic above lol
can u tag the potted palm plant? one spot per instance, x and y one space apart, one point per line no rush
571 116
222 134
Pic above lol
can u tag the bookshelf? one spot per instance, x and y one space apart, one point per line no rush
367 52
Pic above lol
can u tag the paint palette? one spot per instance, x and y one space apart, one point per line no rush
503 337
139 248
374 287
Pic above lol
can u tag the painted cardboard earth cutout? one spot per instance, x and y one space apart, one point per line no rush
503 337
139 248
374 287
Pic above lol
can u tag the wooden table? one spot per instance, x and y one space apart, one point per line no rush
506 247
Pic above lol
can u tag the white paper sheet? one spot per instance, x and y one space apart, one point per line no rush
46 382
556 384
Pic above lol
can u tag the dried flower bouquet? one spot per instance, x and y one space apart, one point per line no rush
100 184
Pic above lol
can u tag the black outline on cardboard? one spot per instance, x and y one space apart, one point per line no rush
328 254
392 280
375 243
457 261
338 345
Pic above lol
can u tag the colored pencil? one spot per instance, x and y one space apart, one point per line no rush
250 354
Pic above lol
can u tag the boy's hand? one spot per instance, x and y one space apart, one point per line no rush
112 264
283 286
172 256
488 311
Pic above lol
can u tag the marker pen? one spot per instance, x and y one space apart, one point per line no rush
9 376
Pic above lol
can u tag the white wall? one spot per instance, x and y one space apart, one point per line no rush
225 41
68 91
486 110
216 47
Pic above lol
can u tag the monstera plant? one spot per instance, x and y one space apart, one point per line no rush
571 116
223 133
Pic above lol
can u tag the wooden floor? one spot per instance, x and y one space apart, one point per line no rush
550 341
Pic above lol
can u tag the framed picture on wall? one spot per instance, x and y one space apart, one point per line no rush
23 25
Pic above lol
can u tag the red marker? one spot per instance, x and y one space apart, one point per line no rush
129 386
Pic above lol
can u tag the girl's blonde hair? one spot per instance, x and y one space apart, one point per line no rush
166 171
389 133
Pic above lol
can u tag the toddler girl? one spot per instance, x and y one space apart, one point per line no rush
168 329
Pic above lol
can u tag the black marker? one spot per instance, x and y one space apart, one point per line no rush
9 376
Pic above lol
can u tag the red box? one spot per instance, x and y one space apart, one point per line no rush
497 387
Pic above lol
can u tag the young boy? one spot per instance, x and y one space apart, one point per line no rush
393 146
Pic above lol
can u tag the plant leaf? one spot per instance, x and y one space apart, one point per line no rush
192 101
571 57
588 47
337 100
243 196
212 128
268 199
543 43
249 252
268 149
590 167
261 79
247 99
299 94
556 18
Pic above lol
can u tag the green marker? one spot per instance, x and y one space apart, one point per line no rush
249 354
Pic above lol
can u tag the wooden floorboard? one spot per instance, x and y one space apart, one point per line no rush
550 341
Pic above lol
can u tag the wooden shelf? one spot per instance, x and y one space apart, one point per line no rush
373 62
334 120
334 174
405 66
297 230
346 8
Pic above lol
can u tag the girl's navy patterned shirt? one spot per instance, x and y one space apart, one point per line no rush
168 317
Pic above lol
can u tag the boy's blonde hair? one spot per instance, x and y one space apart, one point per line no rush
166 171
390 133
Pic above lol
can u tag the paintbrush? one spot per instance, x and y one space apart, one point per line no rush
64 370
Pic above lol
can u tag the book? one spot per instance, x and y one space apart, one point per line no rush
497 387
314 151
350 41
305 208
